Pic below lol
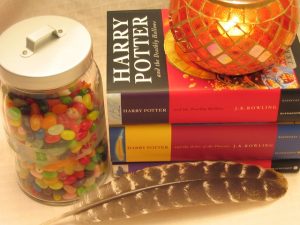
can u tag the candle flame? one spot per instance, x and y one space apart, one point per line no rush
234 27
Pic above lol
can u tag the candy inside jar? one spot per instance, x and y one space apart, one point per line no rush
56 124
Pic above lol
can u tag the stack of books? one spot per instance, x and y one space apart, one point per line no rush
159 114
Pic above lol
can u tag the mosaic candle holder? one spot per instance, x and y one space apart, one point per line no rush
234 37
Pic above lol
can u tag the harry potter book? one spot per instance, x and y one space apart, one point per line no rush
144 87
190 142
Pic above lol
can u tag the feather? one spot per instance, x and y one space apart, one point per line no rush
174 186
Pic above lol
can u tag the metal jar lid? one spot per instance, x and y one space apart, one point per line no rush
44 53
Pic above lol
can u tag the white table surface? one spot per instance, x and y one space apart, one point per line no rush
18 209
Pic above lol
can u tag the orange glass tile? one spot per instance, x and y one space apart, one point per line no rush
197 25
265 25
235 52
204 37
274 9
273 29
186 28
214 63
264 14
224 41
265 40
196 4
194 42
203 53
250 16
222 13
214 30
246 59
256 33
209 9
286 22
245 44
192 13
178 34
285 3
182 14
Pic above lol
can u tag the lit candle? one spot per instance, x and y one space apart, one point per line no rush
234 37
234 27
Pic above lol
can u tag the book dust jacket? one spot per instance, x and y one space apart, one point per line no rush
143 86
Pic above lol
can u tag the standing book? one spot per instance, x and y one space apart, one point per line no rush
144 87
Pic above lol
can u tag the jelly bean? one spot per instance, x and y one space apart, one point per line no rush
70 180
86 125
73 113
79 167
50 139
25 109
41 183
83 91
50 182
70 189
85 160
64 92
80 191
69 170
75 127
87 101
90 166
96 158
19 102
53 102
81 135
93 127
49 120
80 108
14 114
56 197
9 103
68 135
34 108
58 185
59 108
43 105
36 174
62 176
79 174
49 175
78 98
15 123
67 100
75 146
35 122
68 196
93 115
56 129
100 149
64 120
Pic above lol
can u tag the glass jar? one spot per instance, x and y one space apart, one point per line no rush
53 108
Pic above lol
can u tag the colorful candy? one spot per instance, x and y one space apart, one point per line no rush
58 134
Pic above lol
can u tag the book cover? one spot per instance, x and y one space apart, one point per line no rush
283 166
189 142
144 87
